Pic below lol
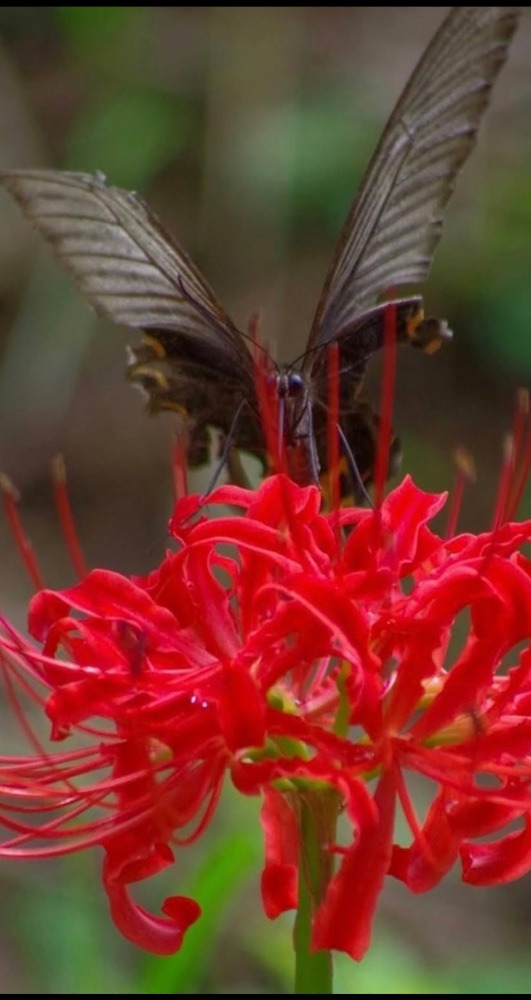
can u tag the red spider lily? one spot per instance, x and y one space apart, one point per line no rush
313 664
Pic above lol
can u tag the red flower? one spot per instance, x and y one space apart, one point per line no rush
316 672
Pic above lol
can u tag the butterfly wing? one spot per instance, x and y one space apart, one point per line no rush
192 358
395 222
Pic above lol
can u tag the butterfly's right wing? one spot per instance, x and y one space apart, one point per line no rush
192 358
395 222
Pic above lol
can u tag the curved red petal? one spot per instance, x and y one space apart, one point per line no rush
430 857
156 934
502 861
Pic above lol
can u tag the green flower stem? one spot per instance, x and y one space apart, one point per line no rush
313 970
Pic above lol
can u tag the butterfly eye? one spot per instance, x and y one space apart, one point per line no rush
295 385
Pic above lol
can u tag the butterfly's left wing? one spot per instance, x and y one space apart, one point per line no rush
192 358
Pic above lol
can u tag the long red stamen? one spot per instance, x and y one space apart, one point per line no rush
23 543
179 467
386 404
411 816
504 484
521 483
333 421
66 519
522 452
516 463
465 473
267 398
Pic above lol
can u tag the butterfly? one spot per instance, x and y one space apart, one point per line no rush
192 358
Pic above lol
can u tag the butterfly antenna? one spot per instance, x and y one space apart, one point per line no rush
225 456
253 336
305 354
212 317
347 369
361 490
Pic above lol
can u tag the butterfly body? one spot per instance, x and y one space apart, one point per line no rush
296 438
193 360
176 377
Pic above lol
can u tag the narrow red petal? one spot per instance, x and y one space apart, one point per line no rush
502 861
344 919
280 875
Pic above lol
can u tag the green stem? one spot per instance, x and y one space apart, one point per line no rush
313 970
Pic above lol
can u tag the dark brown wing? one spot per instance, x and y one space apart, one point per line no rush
132 271
357 345
364 338
201 385
395 222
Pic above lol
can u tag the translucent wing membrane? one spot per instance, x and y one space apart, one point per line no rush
192 359
123 260
395 222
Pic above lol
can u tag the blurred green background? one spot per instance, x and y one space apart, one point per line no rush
247 129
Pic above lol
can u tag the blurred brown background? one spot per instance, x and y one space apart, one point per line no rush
247 129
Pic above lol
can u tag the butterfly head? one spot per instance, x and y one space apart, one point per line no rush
289 385
293 403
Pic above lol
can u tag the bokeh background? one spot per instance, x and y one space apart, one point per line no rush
247 129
